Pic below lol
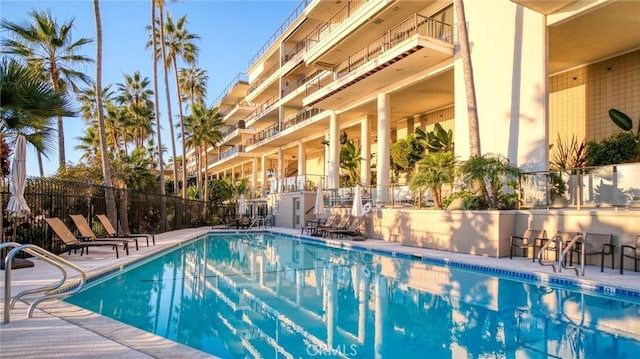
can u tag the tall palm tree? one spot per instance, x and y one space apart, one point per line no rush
135 97
180 44
156 107
193 84
472 107
48 47
104 160
161 54
202 130
28 102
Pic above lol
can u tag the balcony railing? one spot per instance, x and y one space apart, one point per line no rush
241 77
239 102
262 109
297 50
350 8
302 115
228 153
288 21
264 134
415 24
299 82
260 80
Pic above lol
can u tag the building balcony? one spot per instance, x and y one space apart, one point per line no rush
236 111
236 90
411 46
304 123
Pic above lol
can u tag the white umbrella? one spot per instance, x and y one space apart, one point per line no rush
318 210
358 208
18 207
242 206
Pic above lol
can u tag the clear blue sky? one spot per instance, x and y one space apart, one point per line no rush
231 32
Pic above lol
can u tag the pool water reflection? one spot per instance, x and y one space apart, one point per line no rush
268 296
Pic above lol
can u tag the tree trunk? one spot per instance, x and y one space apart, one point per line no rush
106 171
181 117
168 95
156 109
474 127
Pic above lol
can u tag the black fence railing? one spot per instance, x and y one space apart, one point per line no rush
136 211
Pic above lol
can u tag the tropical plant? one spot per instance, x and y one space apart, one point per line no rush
569 154
437 140
349 163
405 153
134 95
48 49
180 44
624 122
193 84
487 175
435 170
470 201
28 102
617 148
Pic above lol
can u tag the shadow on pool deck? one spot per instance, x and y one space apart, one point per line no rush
62 330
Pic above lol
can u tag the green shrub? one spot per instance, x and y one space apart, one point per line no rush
618 148
470 201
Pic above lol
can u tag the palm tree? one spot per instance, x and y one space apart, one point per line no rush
472 107
435 170
180 44
161 54
106 171
156 108
134 96
202 130
193 84
28 102
48 48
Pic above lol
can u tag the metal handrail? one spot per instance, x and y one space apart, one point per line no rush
562 249
48 257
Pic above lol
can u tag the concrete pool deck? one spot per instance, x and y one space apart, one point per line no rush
62 330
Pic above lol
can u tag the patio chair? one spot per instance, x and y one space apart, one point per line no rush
72 243
566 238
352 229
341 224
316 230
311 225
595 244
632 252
86 233
112 233
531 238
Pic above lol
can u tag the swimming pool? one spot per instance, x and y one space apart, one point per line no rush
271 296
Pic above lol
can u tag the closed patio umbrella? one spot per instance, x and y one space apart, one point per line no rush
242 206
17 206
318 210
358 208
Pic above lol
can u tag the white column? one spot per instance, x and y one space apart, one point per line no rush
334 152
263 175
280 169
254 174
381 293
363 304
383 153
302 159
365 151
332 304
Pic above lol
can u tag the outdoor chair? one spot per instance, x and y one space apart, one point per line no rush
595 244
86 233
311 225
531 238
112 233
316 230
342 224
632 252
352 229
72 243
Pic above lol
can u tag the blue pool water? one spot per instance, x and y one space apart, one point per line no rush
270 296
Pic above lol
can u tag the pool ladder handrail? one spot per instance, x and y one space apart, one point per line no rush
562 249
46 256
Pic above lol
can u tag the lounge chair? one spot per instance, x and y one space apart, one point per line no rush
111 231
72 243
352 229
311 226
341 224
632 252
87 233
531 238
595 244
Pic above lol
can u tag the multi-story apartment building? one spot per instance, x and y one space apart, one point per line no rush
373 71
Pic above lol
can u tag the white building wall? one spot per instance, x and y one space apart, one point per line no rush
508 51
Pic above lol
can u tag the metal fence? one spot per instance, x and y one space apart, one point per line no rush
145 212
